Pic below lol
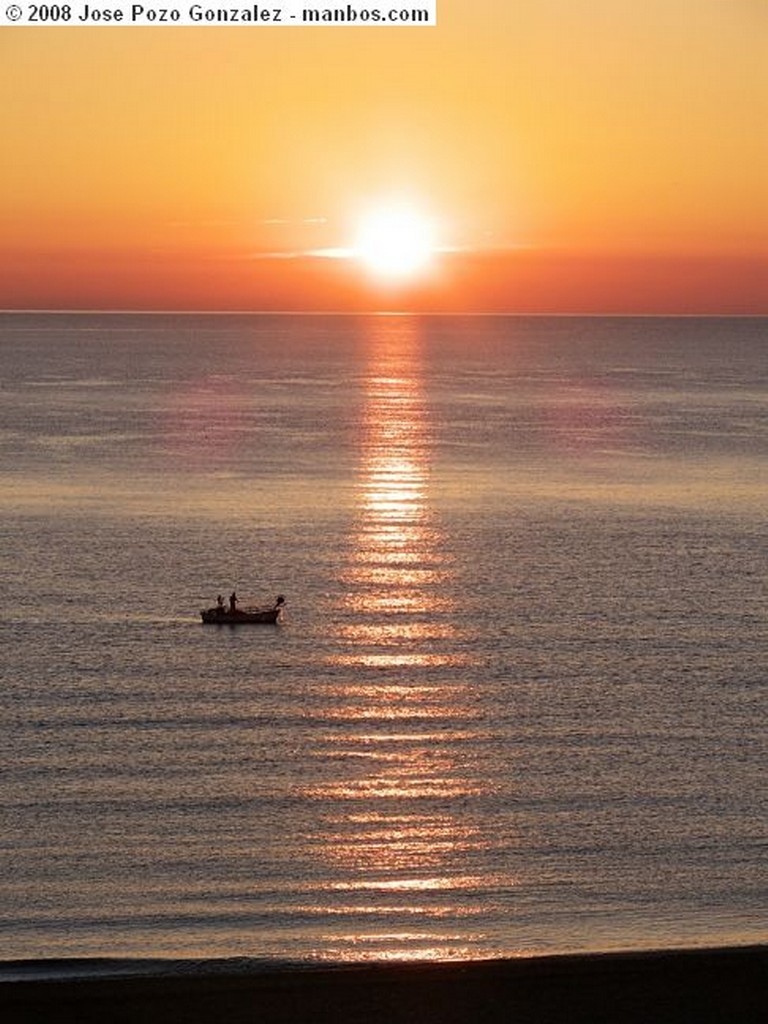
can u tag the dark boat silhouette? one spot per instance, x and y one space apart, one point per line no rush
221 616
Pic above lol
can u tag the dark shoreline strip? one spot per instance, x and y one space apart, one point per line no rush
722 986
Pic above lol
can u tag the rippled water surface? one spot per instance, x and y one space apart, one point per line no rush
517 700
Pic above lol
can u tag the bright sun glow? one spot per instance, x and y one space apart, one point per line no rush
395 242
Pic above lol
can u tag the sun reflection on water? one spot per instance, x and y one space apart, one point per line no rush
390 756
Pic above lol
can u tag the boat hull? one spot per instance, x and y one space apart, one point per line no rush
224 617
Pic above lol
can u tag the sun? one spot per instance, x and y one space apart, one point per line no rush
395 242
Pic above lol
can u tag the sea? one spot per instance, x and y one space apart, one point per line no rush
516 704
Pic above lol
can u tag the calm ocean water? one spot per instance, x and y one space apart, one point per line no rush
518 700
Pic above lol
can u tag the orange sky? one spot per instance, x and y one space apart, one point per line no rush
575 155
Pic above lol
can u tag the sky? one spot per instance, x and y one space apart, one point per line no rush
595 156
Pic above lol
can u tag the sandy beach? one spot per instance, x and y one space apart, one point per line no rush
697 986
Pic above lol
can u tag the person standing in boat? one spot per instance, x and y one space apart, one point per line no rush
233 602
220 603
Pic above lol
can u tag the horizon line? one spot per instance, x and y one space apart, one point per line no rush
375 312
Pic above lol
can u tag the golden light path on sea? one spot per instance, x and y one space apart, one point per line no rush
393 734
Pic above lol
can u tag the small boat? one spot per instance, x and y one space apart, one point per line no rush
221 616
